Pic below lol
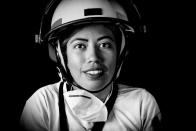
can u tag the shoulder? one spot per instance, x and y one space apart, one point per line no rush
139 98
138 105
42 101
137 102
48 89
126 91
40 107
44 94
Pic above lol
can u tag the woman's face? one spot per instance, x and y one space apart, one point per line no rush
91 56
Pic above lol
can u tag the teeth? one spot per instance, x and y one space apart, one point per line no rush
94 72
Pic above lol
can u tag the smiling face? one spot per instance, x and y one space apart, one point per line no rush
91 56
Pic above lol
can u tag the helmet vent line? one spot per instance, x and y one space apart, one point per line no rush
93 11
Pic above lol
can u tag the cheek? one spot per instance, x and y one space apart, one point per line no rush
111 61
71 60
74 62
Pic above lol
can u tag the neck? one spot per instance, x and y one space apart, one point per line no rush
104 93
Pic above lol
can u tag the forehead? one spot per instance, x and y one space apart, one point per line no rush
93 30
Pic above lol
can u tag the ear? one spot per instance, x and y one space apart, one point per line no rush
52 53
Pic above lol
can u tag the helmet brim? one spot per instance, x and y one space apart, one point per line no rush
54 33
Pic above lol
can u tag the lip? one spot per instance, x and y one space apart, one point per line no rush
93 69
94 73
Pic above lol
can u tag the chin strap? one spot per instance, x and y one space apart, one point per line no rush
98 126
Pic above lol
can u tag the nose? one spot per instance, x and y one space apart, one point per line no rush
93 54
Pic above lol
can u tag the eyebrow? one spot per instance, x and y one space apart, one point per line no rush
106 37
79 39
86 40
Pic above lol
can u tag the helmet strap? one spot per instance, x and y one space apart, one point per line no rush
61 66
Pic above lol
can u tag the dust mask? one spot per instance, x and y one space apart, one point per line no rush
86 106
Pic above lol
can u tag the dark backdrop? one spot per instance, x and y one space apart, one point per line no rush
152 64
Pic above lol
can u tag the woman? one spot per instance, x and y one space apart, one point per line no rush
88 47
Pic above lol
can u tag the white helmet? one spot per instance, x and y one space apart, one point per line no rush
71 13
64 13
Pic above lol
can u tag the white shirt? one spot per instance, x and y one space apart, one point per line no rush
133 110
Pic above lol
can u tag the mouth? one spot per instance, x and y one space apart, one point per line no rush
94 73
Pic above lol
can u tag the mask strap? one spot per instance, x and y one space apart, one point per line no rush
62 114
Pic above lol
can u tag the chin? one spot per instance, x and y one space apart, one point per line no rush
93 86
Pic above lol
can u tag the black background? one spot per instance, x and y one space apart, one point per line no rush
156 64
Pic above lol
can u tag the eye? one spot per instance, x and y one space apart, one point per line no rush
105 45
80 46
